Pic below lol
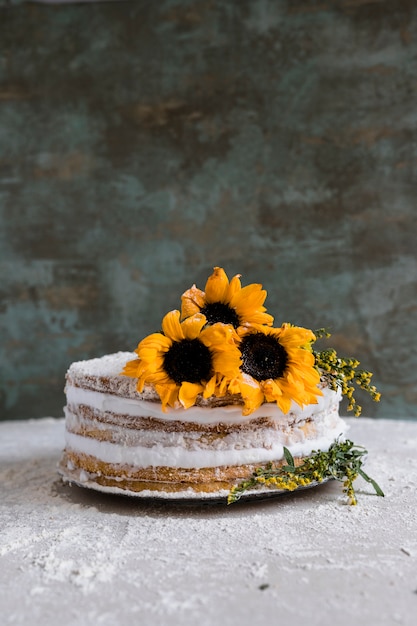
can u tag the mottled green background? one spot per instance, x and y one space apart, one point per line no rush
142 143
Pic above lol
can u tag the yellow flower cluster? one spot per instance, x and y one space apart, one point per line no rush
341 373
223 342
288 482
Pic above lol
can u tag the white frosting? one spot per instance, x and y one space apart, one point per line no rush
107 365
231 414
127 433
180 457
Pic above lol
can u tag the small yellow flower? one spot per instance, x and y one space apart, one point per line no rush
227 302
186 359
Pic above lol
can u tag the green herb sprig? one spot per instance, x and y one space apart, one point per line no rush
341 372
343 462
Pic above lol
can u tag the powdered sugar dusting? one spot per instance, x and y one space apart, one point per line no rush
107 365
74 556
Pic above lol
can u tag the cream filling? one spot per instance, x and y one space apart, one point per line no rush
180 457
231 414
254 436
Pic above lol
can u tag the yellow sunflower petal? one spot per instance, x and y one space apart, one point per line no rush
309 376
151 351
234 287
168 394
191 327
222 336
293 388
222 340
217 286
271 390
252 402
156 377
151 367
284 403
188 393
312 396
171 326
131 368
301 356
251 296
292 392
227 363
250 327
251 392
192 301
149 357
260 317
248 303
234 385
210 387
295 336
156 341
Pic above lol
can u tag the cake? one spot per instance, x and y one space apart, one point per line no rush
219 398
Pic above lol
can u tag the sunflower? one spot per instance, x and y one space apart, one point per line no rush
186 359
227 302
277 366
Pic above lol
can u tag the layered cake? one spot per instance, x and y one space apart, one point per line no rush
217 396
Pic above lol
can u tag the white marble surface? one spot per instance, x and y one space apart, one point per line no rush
69 556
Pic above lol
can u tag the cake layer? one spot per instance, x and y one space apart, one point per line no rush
140 406
208 479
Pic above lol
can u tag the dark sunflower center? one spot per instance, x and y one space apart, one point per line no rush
189 361
263 356
219 312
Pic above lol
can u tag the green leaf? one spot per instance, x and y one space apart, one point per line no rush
374 484
377 488
289 457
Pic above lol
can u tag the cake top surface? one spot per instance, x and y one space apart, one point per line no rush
105 366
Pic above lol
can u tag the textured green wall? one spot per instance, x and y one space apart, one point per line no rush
142 143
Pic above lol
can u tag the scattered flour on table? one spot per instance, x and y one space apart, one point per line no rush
166 559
